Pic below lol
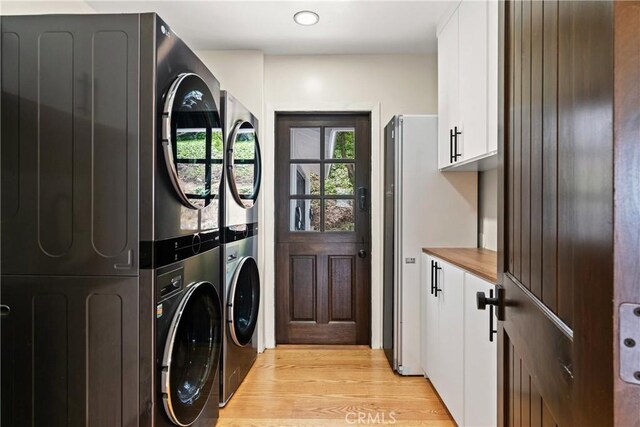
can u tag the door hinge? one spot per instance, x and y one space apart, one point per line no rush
630 343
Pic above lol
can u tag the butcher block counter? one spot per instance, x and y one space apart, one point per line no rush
480 262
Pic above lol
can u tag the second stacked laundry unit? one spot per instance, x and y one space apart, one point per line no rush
241 280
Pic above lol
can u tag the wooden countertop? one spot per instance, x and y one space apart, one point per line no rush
481 262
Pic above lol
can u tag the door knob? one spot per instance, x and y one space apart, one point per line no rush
482 301
362 253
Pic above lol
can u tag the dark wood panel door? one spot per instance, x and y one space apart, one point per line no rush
555 344
323 229
626 204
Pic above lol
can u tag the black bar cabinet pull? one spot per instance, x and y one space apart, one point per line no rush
456 132
451 149
432 276
436 289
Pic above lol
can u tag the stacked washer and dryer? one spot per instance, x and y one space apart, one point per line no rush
113 162
183 252
241 185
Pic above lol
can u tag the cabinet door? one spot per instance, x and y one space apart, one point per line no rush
70 161
447 87
492 75
480 363
473 78
70 351
430 348
450 281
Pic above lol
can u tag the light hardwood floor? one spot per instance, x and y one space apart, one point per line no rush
331 386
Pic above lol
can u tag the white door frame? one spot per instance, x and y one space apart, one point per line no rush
267 217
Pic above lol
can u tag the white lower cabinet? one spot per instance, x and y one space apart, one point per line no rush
457 355
480 357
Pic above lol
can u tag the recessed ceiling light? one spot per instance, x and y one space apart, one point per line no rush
306 17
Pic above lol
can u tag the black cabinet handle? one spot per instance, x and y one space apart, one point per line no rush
4 310
436 289
451 149
455 140
432 276
362 253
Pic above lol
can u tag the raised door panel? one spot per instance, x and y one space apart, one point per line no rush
473 78
70 188
323 298
480 357
447 88
450 281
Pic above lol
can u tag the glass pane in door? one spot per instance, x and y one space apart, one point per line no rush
339 179
305 143
305 178
304 215
339 143
338 215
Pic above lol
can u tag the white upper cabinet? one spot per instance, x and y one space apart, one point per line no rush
468 85
447 89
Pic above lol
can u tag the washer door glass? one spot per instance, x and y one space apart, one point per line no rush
192 353
245 301
192 141
244 164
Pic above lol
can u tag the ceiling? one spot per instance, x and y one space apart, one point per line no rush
345 27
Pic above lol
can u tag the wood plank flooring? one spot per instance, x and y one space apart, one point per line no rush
331 386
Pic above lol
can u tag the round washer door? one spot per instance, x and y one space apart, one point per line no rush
244 301
192 141
191 354
243 164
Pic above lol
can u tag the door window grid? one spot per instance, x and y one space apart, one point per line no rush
338 199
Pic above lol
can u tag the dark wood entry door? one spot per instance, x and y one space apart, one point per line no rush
555 347
323 228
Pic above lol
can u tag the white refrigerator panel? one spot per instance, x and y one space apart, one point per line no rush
433 209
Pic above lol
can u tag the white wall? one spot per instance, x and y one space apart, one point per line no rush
384 84
25 7
399 83
488 209
241 72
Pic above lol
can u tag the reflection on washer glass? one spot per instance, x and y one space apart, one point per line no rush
245 169
246 301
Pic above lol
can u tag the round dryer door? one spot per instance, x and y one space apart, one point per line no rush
243 167
244 301
192 141
191 354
